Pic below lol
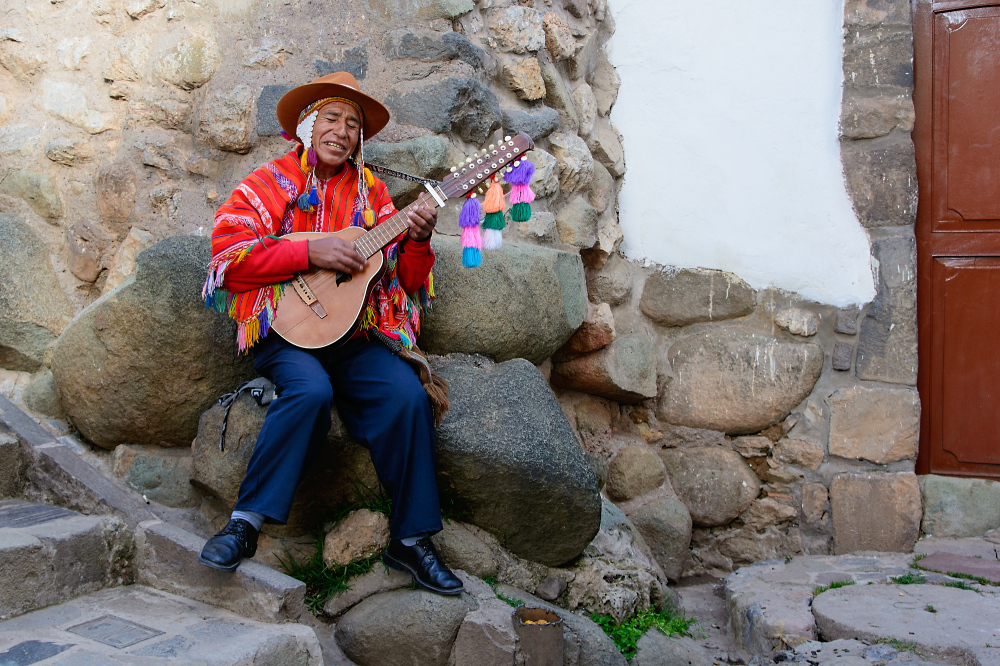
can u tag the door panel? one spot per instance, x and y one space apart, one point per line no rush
957 137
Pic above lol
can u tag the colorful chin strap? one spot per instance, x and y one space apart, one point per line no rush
364 216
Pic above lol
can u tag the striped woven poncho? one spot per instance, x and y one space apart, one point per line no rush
262 208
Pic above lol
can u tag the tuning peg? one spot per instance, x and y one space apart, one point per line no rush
454 169
473 195
506 138
492 146
468 160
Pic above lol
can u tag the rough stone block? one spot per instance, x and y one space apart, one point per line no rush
842 353
797 321
799 452
116 187
192 61
881 179
504 428
378 579
224 120
33 309
463 106
559 40
875 512
624 371
879 56
887 346
486 637
605 81
665 526
602 188
690 295
612 283
167 560
875 12
141 625
814 498
636 470
576 223
876 424
606 147
545 181
596 332
358 536
402 627
959 507
515 29
113 389
541 288
432 46
715 483
540 227
161 475
736 380
586 108
847 321
429 156
267 105
37 190
354 61
525 78
557 95
868 117
537 124
13 464
576 164
461 549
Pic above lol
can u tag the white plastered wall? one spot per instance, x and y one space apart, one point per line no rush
729 112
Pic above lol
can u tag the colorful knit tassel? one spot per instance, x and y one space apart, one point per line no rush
369 178
313 197
521 195
494 222
311 157
303 202
472 241
284 135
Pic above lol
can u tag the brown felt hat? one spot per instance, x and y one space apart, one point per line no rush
338 84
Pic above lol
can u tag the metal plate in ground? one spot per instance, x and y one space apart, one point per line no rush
17 513
114 631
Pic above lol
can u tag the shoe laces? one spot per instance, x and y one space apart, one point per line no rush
237 527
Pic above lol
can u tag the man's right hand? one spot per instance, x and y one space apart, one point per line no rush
336 254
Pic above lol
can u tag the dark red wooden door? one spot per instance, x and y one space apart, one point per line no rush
957 137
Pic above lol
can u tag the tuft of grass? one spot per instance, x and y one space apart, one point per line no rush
917 558
910 578
832 586
902 646
625 634
510 601
930 608
961 585
323 582
976 579
788 558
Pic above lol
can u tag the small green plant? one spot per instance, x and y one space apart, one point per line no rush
917 558
624 635
961 585
910 578
788 558
832 586
930 608
510 601
323 582
976 579
902 646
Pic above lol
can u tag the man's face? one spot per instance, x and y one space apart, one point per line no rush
335 133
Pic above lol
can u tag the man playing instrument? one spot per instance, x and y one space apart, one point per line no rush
323 186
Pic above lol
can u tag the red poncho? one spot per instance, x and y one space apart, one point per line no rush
251 264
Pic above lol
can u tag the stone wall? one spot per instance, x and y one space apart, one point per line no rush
731 424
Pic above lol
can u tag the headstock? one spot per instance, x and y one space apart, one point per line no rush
465 177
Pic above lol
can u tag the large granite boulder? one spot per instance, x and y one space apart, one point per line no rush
691 295
33 309
737 380
402 627
625 370
665 524
524 301
142 363
714 482
341 472
512 462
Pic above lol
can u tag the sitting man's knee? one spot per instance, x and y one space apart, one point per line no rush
316 394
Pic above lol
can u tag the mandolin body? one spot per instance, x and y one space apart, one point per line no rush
299 324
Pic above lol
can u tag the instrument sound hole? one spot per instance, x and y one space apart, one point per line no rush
343 277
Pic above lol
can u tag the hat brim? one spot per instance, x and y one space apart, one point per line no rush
375 116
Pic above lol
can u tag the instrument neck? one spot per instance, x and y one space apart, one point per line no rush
389 230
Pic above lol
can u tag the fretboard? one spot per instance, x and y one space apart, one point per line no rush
386 232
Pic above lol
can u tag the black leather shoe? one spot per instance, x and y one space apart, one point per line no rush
224 551
423 562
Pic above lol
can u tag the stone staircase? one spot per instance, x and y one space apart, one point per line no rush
90 573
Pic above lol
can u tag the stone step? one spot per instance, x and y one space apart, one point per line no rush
49 554
140 625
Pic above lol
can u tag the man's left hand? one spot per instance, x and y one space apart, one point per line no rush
421 220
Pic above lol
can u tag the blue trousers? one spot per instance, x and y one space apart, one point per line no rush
384 407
